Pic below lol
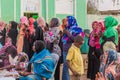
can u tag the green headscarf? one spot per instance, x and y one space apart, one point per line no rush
110 23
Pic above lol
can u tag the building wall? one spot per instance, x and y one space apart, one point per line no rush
10 12
91 18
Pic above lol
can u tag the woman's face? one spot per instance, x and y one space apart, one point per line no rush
33 47
65 22
10 25
95 25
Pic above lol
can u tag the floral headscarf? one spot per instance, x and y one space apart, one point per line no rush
73 28
109 58
24 55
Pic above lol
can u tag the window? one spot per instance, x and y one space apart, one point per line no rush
64 6
29 7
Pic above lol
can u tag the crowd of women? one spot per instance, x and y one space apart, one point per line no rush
33 49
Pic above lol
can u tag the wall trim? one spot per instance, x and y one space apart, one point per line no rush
14 10
0 8
75 8
47 10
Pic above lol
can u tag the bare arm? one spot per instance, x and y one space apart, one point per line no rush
73 71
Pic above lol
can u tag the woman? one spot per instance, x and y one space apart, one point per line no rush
3 55
42 63
31 25
20 62
13 32
2 32
94 50
71 30
110 36
108 64
52 37
22 28
39 25
118 29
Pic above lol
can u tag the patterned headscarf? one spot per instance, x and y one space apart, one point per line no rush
73 28
24 55
110 60
24 20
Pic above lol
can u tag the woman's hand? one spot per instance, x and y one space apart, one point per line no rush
66 32
25 73
99 76
75 73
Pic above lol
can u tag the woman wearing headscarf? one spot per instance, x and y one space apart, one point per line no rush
24 42
31 25
110 36
94 50
71 30
22 28
2 32
3 54
52 38
41 23
39 28
13 32
42 64
108 64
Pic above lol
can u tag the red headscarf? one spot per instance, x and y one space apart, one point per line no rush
31 26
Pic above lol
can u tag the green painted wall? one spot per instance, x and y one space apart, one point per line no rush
81 13
7 10
18 10
44 9
51 9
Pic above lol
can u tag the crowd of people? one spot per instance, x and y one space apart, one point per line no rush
34 50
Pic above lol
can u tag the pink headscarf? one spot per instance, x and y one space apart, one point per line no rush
101 25
24 20
31 26
41 23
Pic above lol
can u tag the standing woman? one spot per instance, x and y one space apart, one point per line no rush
31 25
94 51
2 32
71 30
13 32
22 28
110 36
52 38
39 28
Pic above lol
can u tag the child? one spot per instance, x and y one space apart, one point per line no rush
74 59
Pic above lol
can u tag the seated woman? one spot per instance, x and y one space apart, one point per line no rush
16 61
109 69
42 64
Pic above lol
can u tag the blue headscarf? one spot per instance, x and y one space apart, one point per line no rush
72 28
112 57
